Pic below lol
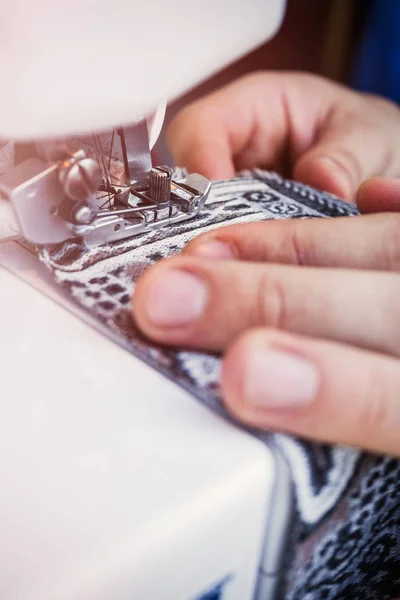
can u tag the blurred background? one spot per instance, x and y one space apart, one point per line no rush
356 42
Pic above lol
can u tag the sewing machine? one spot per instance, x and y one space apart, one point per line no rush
114 482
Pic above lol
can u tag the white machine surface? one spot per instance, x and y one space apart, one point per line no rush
83 65
116 484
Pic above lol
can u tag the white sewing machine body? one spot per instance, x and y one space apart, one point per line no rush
115 482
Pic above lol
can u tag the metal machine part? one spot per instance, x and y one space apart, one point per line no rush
35 192
103 192
139 212
80 177
160 185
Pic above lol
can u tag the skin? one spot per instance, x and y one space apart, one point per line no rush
326 364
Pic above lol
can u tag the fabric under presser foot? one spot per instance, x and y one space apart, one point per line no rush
348 502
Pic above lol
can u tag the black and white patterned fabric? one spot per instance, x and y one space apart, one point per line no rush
348 503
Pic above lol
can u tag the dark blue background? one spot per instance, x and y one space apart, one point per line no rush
377 64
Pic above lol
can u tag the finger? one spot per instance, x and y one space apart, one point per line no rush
248 123
335 138
379 194
370 242
199 141
313 388
357 141
208 304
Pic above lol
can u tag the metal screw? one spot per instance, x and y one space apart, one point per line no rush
160 185
83 215
80 178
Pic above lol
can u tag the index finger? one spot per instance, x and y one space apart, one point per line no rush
362 242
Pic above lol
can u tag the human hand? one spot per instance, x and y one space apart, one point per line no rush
306 316
328 136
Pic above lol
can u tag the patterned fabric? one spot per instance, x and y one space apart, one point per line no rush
348 503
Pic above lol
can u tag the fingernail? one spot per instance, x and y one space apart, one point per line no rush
277 379
176 298
213 249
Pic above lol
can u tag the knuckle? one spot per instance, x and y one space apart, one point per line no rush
312 79
270 302
392 341
374 414
381 103
350 164
390 227
318 84
303 248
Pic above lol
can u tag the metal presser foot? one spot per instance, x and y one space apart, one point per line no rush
100 189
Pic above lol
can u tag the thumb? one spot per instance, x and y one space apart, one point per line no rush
314 388
379 194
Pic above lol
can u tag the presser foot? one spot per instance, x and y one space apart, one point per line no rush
64 200
141 210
